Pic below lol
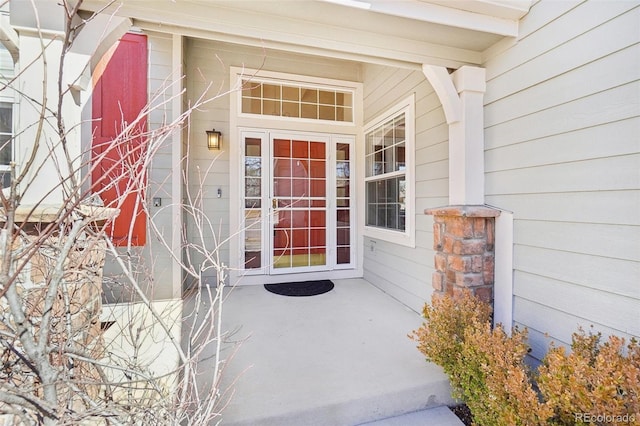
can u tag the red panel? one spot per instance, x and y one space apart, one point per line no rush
300 218
300 149
316 150
281 167
318 238
318 188
318 219
282 187
281 148
281 239
119 97
284 219
318 169
300 238
300 168
300 188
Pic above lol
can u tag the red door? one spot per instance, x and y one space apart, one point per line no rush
119 141
300 201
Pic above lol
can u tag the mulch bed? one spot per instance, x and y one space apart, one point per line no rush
463 413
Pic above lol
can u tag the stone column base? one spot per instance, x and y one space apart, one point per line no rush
464 239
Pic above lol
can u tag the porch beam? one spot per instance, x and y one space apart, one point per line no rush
447 14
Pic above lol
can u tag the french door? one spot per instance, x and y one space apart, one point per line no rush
297 202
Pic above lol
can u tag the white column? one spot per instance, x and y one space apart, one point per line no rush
466 139
38 85
461 95
176 163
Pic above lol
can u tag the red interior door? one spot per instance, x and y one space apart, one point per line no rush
119 142
299 197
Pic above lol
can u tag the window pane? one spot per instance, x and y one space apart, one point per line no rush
399 157
291 109
400 129
310 95
5 149
251 106
271 91
327 112
252 187
291 93
252 147
271 107
6 117
251 89
342 151
309 111
342 170
327 97
252 166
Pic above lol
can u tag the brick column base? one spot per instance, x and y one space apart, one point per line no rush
463 238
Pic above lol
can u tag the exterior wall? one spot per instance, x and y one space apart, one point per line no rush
160 173
561 138
154 255
401 271
207 68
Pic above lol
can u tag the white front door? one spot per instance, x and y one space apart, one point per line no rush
297 203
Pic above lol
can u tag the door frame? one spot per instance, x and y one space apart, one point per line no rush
266 273
239 122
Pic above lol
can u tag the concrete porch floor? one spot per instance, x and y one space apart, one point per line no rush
341 358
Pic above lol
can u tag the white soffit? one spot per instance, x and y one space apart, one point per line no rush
405 32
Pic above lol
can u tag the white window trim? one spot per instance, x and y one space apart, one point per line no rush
406 238
260 76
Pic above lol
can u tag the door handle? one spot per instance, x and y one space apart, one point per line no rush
274 203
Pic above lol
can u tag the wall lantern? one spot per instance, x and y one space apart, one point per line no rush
214 140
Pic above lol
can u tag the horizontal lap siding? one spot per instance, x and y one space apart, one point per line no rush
208 68
562 119
405 272
160 173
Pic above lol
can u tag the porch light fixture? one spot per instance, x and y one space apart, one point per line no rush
214 140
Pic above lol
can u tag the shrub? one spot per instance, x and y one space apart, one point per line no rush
487 371
441 336
595 379
485 366
495 382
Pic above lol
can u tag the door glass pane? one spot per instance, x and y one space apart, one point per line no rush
253 239
253 203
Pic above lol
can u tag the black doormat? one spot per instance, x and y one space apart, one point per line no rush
301 288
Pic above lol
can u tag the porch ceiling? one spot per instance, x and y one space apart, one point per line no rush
405 33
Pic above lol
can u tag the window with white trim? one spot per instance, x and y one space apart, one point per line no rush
6 142
292 100
389 175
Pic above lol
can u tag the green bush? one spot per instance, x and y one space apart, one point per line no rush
487 370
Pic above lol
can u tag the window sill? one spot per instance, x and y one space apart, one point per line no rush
401 238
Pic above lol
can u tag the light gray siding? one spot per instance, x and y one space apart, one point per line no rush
401 271
562 119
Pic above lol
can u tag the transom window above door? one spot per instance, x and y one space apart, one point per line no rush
296 100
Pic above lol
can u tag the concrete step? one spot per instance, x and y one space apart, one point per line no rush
439 416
